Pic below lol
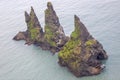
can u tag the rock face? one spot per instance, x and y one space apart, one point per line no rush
52 39
82 54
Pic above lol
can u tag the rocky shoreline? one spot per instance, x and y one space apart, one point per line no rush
80 53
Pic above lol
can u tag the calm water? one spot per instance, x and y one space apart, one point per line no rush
22 62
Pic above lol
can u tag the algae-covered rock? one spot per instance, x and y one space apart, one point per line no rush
82 54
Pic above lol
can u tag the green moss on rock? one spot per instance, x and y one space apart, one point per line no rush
90 42
76 33
49 36
72 48
34 33
68 49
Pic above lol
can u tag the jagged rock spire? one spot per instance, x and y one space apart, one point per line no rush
50 16
54 33
27 17
82 54
34 28
49 5
32 18
80 30
52 39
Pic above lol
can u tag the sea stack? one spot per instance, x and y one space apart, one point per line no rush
82 54
52 39
34 30
54 33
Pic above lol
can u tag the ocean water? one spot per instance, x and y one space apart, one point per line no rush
22 62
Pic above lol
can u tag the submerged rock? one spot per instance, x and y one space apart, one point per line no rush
82 54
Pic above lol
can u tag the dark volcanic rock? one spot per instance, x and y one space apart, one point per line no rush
52 39
82 54
54 34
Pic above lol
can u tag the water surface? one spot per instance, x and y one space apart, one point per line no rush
22 62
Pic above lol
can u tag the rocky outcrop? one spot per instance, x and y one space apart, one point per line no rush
34 30
54 34
82 54
20 36
52 39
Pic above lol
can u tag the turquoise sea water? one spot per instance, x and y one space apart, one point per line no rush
22 62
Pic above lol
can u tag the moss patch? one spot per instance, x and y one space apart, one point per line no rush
76 33
68 50
90 42
30 25
49 36
34 33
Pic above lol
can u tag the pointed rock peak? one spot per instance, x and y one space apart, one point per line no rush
27 17
50 15
76 18
77 22
32 20
49 5
26 13
32 9
32 13
80 30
